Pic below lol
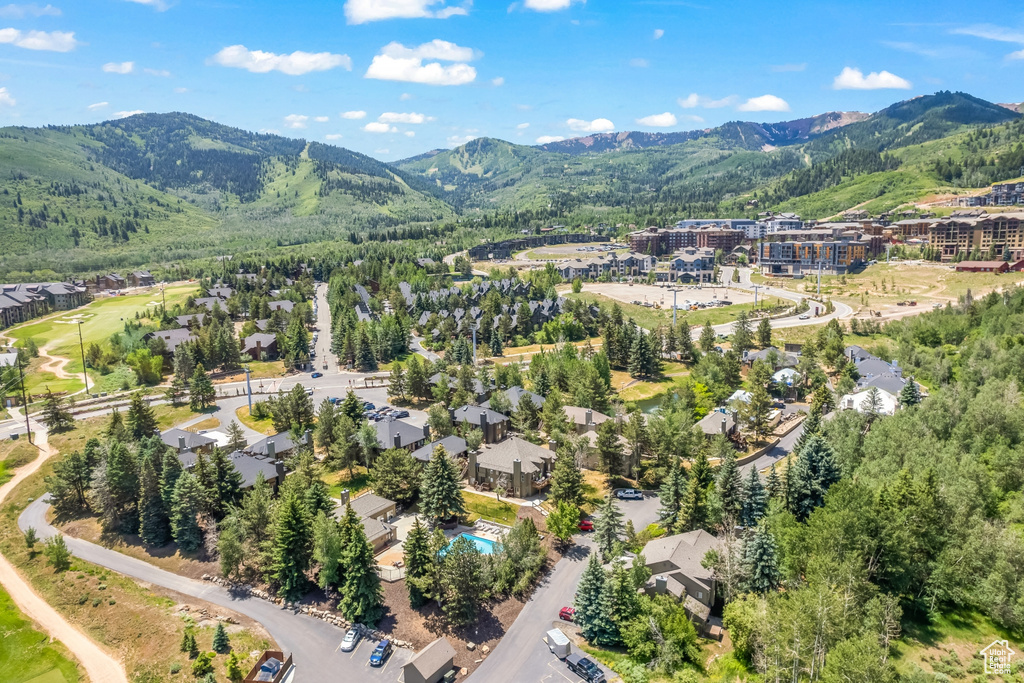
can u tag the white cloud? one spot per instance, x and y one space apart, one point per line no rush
693 117
658 33
98 105
396 62
119 67
523 126
545 139
362 11
991 32
158 5
549 5
295 121
410 133
595 126
333 136
294 64
410 117
353 115
639 63
694 100
31 10
6 99
321 119
457 140
436 49
55 41
854 79
764 103
498 82
382 151
659 120
161 73
181 91
377 127
1016 55
126 114
405 97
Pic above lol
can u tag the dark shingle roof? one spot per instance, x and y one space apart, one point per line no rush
454 445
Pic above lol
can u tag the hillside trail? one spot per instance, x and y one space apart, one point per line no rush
54 364
99 666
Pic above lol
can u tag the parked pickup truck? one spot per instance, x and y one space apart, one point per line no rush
629 494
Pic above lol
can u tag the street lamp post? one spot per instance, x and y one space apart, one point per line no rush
81 346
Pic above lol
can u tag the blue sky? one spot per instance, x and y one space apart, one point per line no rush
393 78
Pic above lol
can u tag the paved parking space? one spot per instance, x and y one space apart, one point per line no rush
359 660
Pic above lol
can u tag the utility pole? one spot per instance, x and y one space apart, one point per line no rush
81 346
755 288
474 346
819 278
674 292
248 388
24 400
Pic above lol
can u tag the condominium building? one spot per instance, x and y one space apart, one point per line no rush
996 234
835 257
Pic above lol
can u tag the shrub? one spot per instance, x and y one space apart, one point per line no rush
203 664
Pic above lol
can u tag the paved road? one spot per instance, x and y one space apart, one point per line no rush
313 642
522 656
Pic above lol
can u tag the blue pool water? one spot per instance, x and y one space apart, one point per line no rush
485 546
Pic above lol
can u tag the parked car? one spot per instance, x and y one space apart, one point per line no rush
368 406
334 400
316 375
380 653
567 613
584 668
351 640
586 525
629 494
400 413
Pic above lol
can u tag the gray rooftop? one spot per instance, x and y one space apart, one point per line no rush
453 445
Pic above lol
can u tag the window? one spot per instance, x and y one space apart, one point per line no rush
700 595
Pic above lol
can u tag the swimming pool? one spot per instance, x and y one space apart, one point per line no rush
485 546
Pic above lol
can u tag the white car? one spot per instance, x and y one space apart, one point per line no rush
351 640
629 494
805 317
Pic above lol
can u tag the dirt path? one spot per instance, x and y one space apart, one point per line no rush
54 364
99 666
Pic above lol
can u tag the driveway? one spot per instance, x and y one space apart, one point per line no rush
522 656
313 643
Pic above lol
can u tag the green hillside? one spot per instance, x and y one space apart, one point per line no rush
156 188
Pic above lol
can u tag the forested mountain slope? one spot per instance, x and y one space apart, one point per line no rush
159 187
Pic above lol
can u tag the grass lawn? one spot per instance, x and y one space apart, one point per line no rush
264 426
339 481
261 369
595 488
101 318
948 644
673 374
14 454
28 655
651 318
483 507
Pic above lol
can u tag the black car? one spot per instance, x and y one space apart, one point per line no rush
584 668
400 413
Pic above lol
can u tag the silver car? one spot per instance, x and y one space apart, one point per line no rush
351 640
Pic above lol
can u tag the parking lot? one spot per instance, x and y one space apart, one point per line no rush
360 656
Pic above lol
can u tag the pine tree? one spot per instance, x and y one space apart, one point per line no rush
352 407
608 527
566 479
741 338
185 507
233 669
594 608
556 424
188 643
762 563
461 581
764 333
57 554
169 473
236 437
362 598
872 403
815 471
640 356
154 527
441 492
609 449
115 428
756 501
221 642
292 547
227 481
773 486
365 358
141 418
730 489
397 384
910 395
707 338
176 391
419 564
56 416
201 392
497 344
686 350
672 494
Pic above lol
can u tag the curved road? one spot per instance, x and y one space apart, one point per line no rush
313 642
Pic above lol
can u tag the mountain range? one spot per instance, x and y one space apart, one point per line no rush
163 187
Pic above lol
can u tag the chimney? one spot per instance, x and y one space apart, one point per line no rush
279 468
517 477
471 470
426 431
398 440
345 497
725 429
271 449
589 416
307 437
181 444
259 350
660 584
483 425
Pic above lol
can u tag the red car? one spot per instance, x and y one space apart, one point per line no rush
566 613
586 525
